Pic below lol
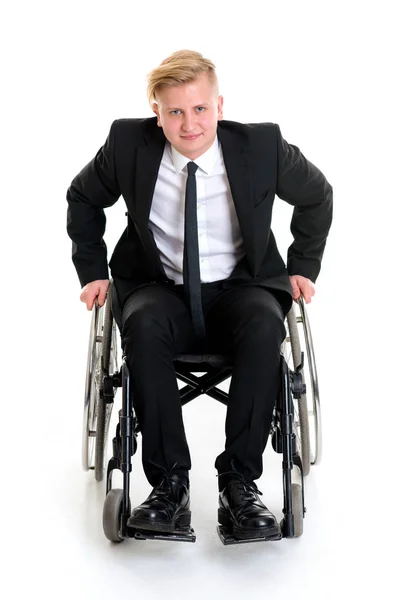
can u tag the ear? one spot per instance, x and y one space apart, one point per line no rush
154 106
220 106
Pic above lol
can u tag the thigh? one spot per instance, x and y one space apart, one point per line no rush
155 304
245 309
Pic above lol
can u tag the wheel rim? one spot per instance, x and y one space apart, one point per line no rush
288 354
109 361
112 369
93 371
314 407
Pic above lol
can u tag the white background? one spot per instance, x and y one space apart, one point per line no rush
326 72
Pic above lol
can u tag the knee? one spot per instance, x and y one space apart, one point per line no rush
264 326
144 325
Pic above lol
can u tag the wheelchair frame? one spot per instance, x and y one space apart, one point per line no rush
103 379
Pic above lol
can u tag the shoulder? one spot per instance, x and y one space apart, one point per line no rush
134 127
250 133
247 128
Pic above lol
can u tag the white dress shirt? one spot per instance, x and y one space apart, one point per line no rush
220 239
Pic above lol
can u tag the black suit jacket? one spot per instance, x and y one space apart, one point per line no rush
259 163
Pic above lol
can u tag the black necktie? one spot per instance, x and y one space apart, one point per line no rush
191 267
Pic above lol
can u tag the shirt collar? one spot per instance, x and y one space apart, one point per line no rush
205 162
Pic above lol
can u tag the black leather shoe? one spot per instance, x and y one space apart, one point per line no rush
167 509
242 512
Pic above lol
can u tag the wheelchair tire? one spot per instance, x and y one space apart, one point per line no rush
108 362
297 508
301 413
93 372
112 511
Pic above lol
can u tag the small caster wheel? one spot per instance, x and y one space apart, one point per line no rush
297 507
112 511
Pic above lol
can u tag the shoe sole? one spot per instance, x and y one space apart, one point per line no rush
242 533
180 523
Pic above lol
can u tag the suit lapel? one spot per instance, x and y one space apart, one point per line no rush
238 172
147 166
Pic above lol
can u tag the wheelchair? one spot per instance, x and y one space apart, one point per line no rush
295 428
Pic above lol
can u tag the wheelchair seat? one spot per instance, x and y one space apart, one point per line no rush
215 360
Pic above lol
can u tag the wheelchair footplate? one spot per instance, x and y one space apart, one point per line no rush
176 536
227 538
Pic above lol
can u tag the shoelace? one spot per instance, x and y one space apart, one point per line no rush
165 486
246 489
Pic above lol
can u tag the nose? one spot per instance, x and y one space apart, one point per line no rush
188 124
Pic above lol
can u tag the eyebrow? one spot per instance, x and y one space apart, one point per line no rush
197 105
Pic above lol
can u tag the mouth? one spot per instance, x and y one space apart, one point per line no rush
191 137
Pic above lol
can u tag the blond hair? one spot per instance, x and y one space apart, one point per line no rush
181 67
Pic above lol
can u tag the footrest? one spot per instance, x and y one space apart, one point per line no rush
227 538
177 536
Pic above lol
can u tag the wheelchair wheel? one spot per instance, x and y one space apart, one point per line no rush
311 379
301 424
297 508
112 511
93 372
312 382
109 366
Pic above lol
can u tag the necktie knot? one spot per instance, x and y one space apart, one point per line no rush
191 168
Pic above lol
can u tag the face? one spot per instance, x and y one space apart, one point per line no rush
188 114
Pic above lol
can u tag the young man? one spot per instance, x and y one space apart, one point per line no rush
198 267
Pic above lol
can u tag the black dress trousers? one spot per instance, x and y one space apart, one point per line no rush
246 322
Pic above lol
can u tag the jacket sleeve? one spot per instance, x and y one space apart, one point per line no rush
93 189
301 184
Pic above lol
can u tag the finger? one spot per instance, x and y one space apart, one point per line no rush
296 291
102 297
92 301
311 291
307 296
305 292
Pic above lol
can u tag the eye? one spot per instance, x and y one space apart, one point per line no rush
202 108
173 112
